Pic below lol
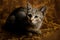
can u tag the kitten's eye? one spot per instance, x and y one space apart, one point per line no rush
36 16
29 15
29 8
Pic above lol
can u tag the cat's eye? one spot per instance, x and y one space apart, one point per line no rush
29 15
36 16
29 8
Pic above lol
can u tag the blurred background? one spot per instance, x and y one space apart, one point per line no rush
51 25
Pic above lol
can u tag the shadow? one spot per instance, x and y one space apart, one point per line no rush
18 24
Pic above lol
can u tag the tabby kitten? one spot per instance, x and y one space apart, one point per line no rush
25 19
35 18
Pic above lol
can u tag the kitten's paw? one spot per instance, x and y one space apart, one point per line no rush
38 32
30 34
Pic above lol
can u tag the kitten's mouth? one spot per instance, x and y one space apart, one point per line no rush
30 22
33 24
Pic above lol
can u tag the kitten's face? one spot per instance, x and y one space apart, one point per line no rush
35 16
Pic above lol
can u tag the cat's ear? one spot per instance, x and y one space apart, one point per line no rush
29 6
43 9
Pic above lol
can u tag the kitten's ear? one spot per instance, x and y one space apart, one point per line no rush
43 9
29 6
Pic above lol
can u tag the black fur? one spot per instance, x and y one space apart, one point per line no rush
19 24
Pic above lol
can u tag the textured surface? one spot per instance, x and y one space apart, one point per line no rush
51 25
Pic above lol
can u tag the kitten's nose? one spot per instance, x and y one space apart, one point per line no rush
32 19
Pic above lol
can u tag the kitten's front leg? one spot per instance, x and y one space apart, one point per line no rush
36 31
30 33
